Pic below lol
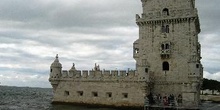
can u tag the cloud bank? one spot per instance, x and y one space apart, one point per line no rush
82 32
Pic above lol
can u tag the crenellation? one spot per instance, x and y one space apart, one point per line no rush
98 74
78 74
131 74
91 75
123 73
72 74
85 74
176 14
115 73
106 74
65 74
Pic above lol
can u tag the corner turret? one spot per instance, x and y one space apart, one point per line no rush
55 72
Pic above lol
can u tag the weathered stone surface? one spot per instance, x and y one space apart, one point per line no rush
168 65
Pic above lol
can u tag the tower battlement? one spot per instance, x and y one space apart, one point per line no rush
90 75
176 15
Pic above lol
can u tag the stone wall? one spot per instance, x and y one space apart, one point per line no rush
108 93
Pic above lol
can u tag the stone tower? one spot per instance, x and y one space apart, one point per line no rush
167 52
55 73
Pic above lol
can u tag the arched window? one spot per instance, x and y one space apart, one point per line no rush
162 47
167 29
166 12
163 29
167 46
166 66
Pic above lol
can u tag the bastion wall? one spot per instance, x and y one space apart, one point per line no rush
108 88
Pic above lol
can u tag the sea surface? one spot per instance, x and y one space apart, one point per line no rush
26 98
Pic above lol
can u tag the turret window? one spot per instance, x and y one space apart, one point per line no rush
166 66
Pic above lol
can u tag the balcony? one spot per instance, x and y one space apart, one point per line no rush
165 53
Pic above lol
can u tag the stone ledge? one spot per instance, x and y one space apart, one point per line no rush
98 105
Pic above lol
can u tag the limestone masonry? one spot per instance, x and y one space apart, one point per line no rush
168 68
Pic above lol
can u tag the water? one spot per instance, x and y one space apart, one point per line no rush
25 98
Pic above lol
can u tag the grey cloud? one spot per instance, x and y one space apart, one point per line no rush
89 16
211 66
28 71
209 15
65 28
209 37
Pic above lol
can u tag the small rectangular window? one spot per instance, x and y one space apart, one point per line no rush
109 94
80 93
197 65
95 94
66 93
125 95
146 70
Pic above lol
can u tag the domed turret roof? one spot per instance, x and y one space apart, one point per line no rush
56 62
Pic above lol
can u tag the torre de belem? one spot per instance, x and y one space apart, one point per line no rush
168 68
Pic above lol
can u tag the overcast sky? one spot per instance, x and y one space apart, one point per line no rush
83 32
